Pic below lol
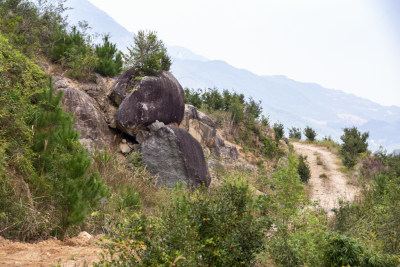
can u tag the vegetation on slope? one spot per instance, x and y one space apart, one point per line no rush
50 186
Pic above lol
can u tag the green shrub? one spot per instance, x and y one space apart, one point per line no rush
110 61
354 143
128 199
73 50
279 131
31 26
253 109
303 169
200 228
342 250
295 133
310 133
270 149
193 97
148 54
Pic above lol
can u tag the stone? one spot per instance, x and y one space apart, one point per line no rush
199 125
202 128
155 126
142 135
60 82
110 114
125 148
175 156
89 120
153 98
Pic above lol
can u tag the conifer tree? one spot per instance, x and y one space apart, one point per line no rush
63 164
110 61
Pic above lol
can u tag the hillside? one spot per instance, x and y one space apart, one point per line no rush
113 166
283 99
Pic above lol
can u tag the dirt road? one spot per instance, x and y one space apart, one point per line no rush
327 190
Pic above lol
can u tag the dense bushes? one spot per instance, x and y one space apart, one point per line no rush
342 250
41 29
29 27
201 228
232 102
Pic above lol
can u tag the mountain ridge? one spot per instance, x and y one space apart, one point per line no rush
285 100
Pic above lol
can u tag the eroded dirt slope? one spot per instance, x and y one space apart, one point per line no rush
327 190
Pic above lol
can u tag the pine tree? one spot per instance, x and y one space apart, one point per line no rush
110 62
63 164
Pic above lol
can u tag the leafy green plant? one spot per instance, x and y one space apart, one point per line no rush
210 228
270 149
342 250
310 133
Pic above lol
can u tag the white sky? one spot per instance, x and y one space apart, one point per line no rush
351 45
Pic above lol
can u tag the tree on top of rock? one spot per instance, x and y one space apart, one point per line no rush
148 54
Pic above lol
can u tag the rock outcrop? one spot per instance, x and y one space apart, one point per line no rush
175 156
121 86
202 128
152 98
89 120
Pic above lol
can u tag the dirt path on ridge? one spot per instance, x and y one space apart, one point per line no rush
327 190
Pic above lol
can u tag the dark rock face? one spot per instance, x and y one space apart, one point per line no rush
153 98
89 120
175 156
121 86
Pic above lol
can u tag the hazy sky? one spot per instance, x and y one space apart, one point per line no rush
351 45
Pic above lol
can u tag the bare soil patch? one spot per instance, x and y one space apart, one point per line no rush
78 251
327 184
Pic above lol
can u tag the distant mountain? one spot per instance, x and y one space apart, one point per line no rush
290 102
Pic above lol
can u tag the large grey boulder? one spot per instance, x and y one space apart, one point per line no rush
152 98
89 120
175 156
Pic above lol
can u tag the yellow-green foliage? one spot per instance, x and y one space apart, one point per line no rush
20 81
45 185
